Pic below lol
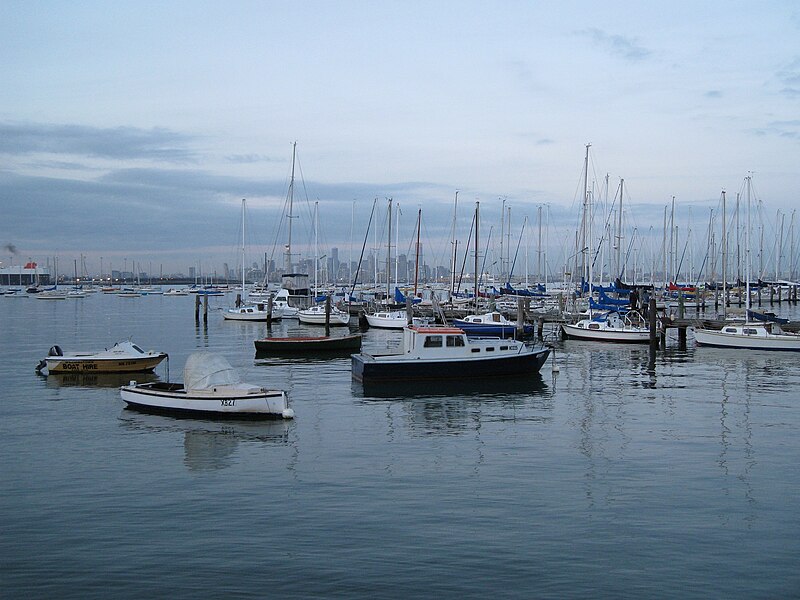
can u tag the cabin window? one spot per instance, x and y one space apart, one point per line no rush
490 348
433 341
730 330
454 341
503 348
496 318
594 326
476 349
135 347
749 331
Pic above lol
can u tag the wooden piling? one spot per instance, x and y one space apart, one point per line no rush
520 315
205 308
653 318
269 310
197 308
327 316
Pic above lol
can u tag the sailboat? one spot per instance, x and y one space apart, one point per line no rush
250 312
750 334
611 326
321 314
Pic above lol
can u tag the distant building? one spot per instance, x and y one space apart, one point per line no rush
28 274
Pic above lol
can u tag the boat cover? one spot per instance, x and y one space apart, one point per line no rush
204 370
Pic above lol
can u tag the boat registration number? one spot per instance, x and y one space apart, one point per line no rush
228 402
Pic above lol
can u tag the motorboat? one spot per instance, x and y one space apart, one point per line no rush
749 335
176 292
435 353
122 357
211 387
490 323
315 315
609 327
253 312
391 319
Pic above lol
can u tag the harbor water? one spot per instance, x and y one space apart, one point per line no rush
612 477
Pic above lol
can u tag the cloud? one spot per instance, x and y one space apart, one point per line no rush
784 129
789 78
118 143
713 94
616 45
246 159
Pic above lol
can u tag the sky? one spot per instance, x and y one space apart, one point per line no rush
132 130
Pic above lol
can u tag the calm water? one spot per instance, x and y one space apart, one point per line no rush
607 479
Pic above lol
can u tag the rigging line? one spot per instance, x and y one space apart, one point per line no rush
363 247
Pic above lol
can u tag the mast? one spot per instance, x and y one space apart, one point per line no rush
584 247
453 242
389 254
620 238
502 230
288 258
747 251
316 250
724 258
416 260
477 214
243 248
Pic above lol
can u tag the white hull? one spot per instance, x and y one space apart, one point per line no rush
636 336
219 401
313 316
749 337
396 319
251 313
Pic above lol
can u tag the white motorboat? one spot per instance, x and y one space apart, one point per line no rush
176 292
391 319
253 312
315 315
749 336
281 300
211 387
609 327
122 357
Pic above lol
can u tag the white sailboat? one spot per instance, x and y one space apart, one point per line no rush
250 312
748 335
318 314
610 326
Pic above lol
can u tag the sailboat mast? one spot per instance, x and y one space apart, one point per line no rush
747 252
243 243
389 254
416 261
584 247
454 244
288 261
724 257
477 216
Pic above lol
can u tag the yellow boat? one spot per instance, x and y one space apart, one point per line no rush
123 357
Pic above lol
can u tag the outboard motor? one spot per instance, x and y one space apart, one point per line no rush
55 351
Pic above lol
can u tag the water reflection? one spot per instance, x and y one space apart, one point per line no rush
92 380
453 407
208 445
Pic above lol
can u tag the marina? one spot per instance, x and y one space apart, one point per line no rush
612 471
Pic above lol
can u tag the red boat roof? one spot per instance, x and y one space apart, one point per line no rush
421 329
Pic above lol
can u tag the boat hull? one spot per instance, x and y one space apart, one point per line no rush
717 339
294 345
606 335
158 398
369 368
66 364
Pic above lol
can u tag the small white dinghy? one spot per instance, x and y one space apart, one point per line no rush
211 388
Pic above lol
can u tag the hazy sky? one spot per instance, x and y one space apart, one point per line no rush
134 129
